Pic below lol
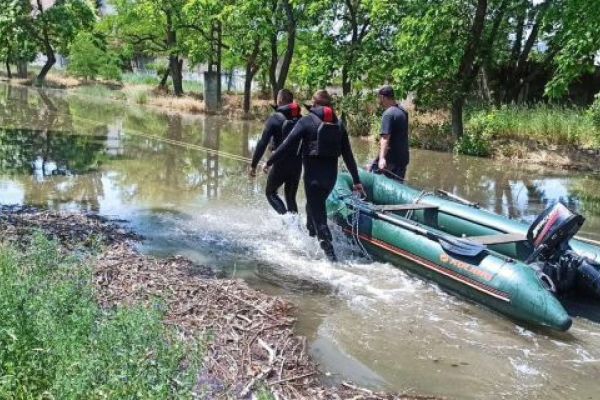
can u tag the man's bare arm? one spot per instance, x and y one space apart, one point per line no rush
384 144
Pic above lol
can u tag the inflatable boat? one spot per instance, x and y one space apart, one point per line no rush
515 269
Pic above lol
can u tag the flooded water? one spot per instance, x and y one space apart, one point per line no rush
182 183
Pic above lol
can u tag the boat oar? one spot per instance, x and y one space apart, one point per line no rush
457 198
449 243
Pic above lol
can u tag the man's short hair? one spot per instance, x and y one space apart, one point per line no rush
386 91
322 98
286 96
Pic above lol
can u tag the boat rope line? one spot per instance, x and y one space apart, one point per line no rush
421 196
353 219
173 142
490 291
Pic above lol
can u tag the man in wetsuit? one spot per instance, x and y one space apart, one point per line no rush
287 172
393 153
323 139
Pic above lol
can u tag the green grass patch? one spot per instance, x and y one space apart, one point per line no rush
55 342
153 80
545 124
140 79
193 86
99 91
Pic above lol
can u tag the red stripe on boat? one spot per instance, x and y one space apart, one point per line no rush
437 268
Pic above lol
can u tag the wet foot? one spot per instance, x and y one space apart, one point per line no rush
328 249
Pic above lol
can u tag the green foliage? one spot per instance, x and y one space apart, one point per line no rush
88 59
433 38
473 144
361 114
577 42
55 342
594 112
16 43
348 37
481 128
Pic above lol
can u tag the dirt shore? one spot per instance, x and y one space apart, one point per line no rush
249 336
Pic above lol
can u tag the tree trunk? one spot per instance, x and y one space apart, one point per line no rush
290 45
468 68
22 69
251 70
516 49
247 89
219 63
48 50
264 83
163 81
8 71
457 117
230 81
175 65
279 78
518 76
346 83
486 86
176 75
273 67
50 61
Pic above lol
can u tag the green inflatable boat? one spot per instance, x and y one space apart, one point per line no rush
515 269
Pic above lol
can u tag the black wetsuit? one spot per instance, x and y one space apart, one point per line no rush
287 172
320 173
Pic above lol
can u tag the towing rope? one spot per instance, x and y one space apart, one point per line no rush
176 142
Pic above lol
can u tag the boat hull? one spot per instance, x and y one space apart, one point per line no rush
491 279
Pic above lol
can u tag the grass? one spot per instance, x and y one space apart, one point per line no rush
153 80
543 124
140 79
547 125
100 91
55 342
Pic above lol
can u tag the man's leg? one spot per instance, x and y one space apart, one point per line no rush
310 223
319 213
290 189
274 182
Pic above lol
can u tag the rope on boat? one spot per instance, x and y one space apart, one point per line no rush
353 219
410 214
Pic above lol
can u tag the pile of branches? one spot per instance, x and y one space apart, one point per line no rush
249 335
71 231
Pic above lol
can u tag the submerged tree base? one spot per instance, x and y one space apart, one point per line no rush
250 345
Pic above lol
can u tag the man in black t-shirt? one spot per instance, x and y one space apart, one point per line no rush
393 154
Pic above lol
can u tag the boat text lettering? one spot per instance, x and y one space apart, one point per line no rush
472 269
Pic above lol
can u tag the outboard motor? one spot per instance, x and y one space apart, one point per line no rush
560 267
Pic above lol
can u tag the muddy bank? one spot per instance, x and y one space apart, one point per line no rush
250 339
564 157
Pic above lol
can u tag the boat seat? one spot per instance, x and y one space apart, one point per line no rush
404 207
501 238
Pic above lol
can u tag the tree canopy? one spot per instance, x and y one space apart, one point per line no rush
448 53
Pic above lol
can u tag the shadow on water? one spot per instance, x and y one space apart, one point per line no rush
583 308
367 321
